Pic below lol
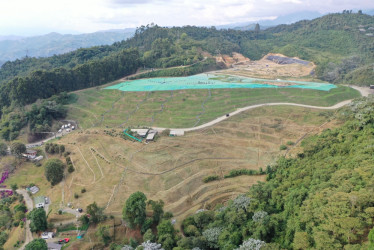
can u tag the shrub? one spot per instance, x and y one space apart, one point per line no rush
290 143
283 147
210 178
83 190
76 196
71 169
238 172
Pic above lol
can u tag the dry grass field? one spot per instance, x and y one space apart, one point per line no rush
172 168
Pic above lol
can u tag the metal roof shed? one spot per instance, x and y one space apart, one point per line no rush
176 133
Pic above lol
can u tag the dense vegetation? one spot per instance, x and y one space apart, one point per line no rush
43 84
321 199
333 41
12 213
38 118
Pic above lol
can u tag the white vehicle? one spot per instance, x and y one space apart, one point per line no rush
60 130
72 127
68 130
45 236
69 125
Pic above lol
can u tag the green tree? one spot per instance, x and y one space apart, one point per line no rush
62 149
38 220
166 234
301 241
96 213
37 244
158 210
3 148
257 30
371 239
3 238
134 210
54 170
149 236
103 233
18 148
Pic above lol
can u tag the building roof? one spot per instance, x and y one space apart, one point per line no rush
176 132
141 131
151 136
30 151
53 246
34 189
39 199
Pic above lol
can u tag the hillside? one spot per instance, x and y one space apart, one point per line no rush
320 199
275 151
55 44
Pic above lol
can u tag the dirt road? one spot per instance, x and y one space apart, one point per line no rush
224 117
365 91
30 206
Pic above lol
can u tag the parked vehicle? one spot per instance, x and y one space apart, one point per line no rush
66 240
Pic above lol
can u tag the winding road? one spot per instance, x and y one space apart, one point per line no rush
364 92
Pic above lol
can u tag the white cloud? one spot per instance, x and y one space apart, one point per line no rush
40 16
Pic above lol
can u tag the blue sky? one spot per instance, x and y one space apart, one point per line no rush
25 17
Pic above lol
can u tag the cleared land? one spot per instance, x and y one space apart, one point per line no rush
111 168
270 69
185 108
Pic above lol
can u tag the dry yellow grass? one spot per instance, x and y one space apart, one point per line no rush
172 168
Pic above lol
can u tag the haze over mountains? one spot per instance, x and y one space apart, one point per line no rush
14 47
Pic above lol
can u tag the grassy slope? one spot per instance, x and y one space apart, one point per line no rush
185 108
250 140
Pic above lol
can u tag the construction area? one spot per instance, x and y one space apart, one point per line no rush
272 66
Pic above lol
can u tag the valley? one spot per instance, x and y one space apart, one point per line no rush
193 138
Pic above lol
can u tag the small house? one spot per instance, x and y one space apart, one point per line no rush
151 135
176 132
39 202
33 189
141 132
30 154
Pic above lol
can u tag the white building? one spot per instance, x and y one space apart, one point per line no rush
142 132
176 132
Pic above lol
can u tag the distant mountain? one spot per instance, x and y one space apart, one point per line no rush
11 37
285 19
369 12
13 47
